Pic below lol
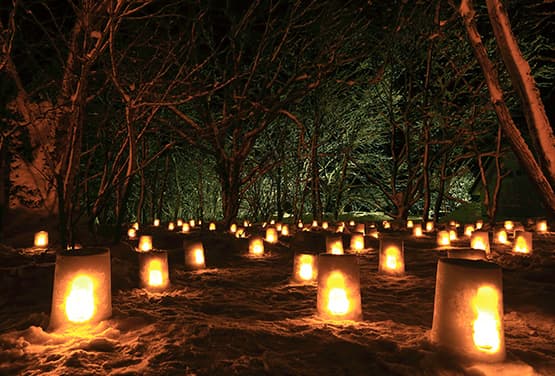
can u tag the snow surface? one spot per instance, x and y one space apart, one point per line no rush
243 316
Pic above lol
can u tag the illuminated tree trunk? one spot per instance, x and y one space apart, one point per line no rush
230 180
518 144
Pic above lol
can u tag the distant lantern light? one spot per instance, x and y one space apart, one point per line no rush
541 226
468 230
314 224
171 226
374 233
153 269
500 236
256 245
351 223
136 226
194 255
417 230
338 295
305 268
145 243
468 254
279 226
509 225
334 244
273 222
192 223
300 224
156 222
245 223
468 309
357 242
240 233
41 239
179 223
479 224
410 224
325 225
443 238
271 235
453 235
82 288
340 228
285 230
199 222
185 228
233 228
386 224
522 242
452 223
212 226
131 233
429 226
480 240
391 256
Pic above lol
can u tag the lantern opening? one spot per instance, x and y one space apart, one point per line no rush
487 326
199 256
305 270
521 245
80 304
338 303
145 243
41 239
155 278
392 256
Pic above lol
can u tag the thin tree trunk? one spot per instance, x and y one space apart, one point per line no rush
441 188
314 170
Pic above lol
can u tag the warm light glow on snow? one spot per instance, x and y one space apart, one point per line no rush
41 239
336 247
305 269
487 325
185 227
521 246
155 278
79 303
338 303
443 238
145 243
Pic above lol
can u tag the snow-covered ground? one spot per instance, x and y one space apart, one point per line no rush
242 315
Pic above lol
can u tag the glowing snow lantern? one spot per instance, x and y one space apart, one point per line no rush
509 225
417 230
325 225
334 244
443 238
410 224
233 228
453 235
469 254
273 222
468 309
179 223
374 233
300 224
480 240
314 224
340 228
339 287
285 230
192 223
41 239
271 235
153 270
429 226
145 243
351 223
305 268
468 230
171 226
240 233
200 222
479 224
541 226
522 242
386 224
392 259
501 236
136 226
256 246
132 233
156 222
194 255
212 226
82 288
245 223
452 223
357 242
185 228
279 226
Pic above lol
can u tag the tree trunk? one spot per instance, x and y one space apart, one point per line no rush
441 188
518 144
314 170
230 181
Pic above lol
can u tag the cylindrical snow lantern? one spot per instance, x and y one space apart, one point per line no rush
305 268
271 235
541 226
285 230
334 244
479 224
212 226
185 228
386 224
429 226
192 223
153 270
179 222
136 226
417 230
171 226
391 256
194 255
500 236
443 238
156 222
522 242
325 225
145 243
82 288
468 254
468 309
453 235
131 233
357 242
339 287
480 240
256 246
509 225
410 224
41 239
314 224
468 230
233 228
351 223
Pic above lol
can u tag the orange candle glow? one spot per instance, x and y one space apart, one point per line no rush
256 246
468 230
145 243
41 239
132 233
417 230
185 228
305 268
156 222
523 242
391 256
171 226
357 242
443 238
272 235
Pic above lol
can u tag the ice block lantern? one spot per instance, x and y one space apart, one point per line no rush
136 226
153 270
479 224
279 226
522 242
171 226
82 288
410 224
256 245
392 256
443 238
351 223
145 243
334 244
285 230
509 225
179 223
300 224
305 268
429 226
357 242
338 295
500 236
194 255
156 222
272 235
541 226
314 224
185 228
325 225
468 230
192 223
480 240
453 235
386 224
132 233
212 226
468 309
41 239
417 230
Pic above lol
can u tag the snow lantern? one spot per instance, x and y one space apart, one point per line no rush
351 223
453 223
212 226
469 254
145 243
357 242
82 288
279 226
429 226
541 226
240 233
194 255
233 228
325 225
500 236
468 309
334 244
131 233
392 256
256 245
185 228
522 242
468 230
246 223
386 224
192 223
300 224
136 226
314 224
156 222
480 240
271 235
41 239
374 233
509 225
338 295
443 238
179 222
453 235
410 224
305 268
285 230
273 222
340 228
171 226
153 270
417 230
479 224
